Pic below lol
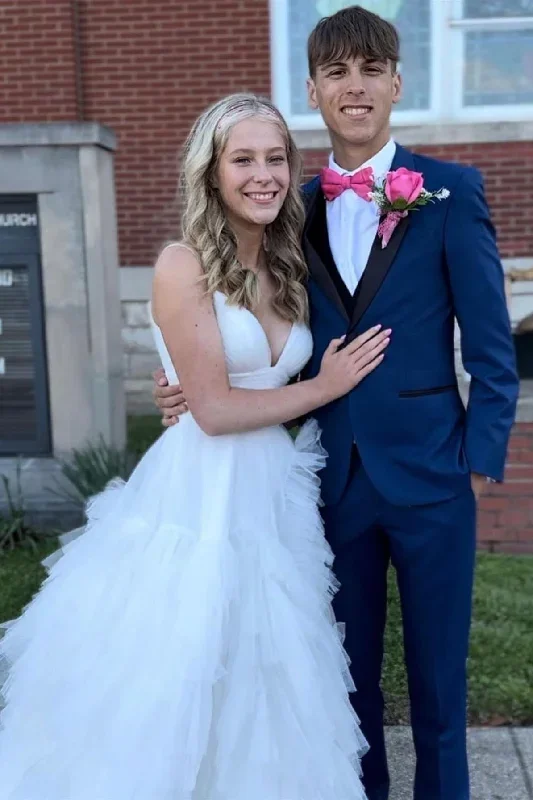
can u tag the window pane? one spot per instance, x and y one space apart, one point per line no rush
411 17
498 68
475 9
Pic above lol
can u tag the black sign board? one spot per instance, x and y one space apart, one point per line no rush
24 407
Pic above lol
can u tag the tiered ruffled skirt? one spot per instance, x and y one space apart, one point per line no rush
183 648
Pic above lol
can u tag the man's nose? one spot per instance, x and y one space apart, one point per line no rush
356 83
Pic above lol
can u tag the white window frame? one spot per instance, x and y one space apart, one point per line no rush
448 30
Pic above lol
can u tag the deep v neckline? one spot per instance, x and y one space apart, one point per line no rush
267 340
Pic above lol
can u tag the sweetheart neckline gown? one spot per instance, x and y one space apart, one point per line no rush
184 646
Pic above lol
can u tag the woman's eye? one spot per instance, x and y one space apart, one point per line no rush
277 159
242 160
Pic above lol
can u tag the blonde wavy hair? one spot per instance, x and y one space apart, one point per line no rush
205 226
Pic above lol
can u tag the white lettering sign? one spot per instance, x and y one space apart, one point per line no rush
6 277
18 220
2 366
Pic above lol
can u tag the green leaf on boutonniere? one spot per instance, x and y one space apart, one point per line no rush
400 204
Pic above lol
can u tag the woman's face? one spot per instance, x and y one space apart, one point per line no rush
253 175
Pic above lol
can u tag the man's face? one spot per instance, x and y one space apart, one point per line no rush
355 98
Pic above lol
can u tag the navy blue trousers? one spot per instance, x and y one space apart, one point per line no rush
432 548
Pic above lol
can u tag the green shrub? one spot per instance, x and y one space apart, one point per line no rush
89 470
143 430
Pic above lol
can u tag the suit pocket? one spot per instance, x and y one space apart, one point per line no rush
423 392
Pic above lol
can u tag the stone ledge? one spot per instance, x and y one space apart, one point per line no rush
67 134
42 482
136 282
514 264
524 411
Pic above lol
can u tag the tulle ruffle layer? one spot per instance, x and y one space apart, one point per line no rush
184 648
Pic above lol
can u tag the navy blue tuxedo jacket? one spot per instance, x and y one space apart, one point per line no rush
416 440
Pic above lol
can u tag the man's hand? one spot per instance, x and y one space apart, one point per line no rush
169 399
479 484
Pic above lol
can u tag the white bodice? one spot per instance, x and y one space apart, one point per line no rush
247 351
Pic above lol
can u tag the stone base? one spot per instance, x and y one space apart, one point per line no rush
41 483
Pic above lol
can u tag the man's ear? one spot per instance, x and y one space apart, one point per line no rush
397 87
311 94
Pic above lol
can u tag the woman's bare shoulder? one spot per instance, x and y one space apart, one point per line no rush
178 262
177 280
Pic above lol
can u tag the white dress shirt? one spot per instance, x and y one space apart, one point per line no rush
353 222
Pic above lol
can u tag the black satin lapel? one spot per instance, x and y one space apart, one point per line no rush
319 257
379 263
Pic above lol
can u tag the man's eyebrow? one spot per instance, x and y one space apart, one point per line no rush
329 64
339 62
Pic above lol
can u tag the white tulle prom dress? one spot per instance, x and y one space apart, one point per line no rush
183 647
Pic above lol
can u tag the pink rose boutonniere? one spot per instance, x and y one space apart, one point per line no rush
400 192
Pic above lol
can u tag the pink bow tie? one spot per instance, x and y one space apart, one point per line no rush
333 184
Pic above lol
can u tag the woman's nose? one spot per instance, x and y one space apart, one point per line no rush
262 173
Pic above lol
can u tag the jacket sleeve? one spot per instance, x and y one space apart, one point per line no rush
487 346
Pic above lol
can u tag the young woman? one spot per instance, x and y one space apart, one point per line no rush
184 647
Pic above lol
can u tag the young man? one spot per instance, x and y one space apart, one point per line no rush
406 460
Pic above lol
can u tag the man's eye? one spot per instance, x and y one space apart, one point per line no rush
335 73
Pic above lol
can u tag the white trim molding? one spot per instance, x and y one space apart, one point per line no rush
434 134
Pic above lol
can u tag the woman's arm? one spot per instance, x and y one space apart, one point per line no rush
186 317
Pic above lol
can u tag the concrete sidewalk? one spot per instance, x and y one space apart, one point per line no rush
501 763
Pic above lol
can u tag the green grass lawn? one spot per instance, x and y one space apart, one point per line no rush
501 654
500 666
21 574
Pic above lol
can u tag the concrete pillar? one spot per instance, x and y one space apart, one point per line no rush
69 168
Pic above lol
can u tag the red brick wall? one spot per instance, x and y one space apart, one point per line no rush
149 67
37 65
506 511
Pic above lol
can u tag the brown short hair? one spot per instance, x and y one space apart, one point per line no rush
352 32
